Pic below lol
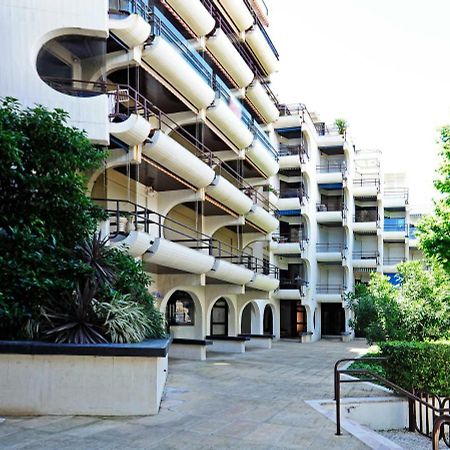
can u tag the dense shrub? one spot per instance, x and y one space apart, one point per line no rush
423 366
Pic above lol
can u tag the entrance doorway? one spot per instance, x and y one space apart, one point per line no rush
219 318
268 320
292 319
333 319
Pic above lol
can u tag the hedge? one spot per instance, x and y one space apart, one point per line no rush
424 366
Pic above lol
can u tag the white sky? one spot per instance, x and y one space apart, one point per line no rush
383 65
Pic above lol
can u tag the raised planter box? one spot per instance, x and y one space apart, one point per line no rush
39 378
259 340
192 349
227 344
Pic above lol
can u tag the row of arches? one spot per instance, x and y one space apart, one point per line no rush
184 316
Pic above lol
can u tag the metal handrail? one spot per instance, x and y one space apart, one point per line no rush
437 433
332 167
364 254
372 216
330 288
392 261
325 207
367 182
299 149
146 218
442 414
139 104
330 247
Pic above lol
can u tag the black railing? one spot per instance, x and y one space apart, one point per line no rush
300 150
393 261
126 216
330 207
126 100
130 7
323 129
328 247
330 288
364 254
332 167
360 182
428 414
297 283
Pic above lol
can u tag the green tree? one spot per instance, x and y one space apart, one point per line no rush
434 230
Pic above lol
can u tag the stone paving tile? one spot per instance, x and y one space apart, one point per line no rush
252 401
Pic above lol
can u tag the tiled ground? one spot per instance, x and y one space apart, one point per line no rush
246 401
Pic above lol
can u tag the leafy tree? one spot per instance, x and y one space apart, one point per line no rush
434 230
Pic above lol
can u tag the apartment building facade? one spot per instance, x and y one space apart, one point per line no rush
252 217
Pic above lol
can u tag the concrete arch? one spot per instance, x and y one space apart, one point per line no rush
197 330
269 325
256 317
232 314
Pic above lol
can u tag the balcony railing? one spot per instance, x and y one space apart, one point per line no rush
296 283
400 193
162 27
299 192
332 167
393 261
125 100
328 247
323 129
366 182
259 133
366 216
364 254
143 219
330 288
394 224
330 207
130 7
289 150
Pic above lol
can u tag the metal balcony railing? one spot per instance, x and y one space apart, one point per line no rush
140 218
297 283
125 100
393 260
331 167
331 207
130 7
366 182
259 133
329 247
394 224
289 150
299 192
365 254
330 288
366 216
400 193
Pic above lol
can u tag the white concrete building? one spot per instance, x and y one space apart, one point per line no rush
252 217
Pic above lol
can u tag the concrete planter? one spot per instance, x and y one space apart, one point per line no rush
39 378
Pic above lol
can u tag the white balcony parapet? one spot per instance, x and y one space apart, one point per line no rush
229 124
329 216
263 283
262 50
135 244
239 13
175 256
231 273
288 294
173 156
262 102
132 30
365 227
195 15
263 219
230 59
133 131
262 158
285 204
286 248
223 191
170 64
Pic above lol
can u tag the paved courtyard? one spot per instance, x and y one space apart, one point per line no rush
247 401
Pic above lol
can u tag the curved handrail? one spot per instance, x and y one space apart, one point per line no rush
438 423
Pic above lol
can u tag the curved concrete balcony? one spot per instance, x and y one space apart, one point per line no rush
329 178
135 244
227 194
288 294
262 50
329 216
394 236
390 264
289 121
174 157
263 283
261 218
238 13
221 115
133 131
194 14
365 227
413 242
176 256
285 204
258 97
229 58
330 172
366 188
132 30
262 158
289 162
286 248
231 273
365 260
395 197
328 252
168 62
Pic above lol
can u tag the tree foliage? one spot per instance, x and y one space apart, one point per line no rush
417 309
434 230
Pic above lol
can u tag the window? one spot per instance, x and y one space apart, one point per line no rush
180 309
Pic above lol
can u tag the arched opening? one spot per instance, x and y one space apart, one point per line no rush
246 322
268 320
180 310
293 319
219 318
